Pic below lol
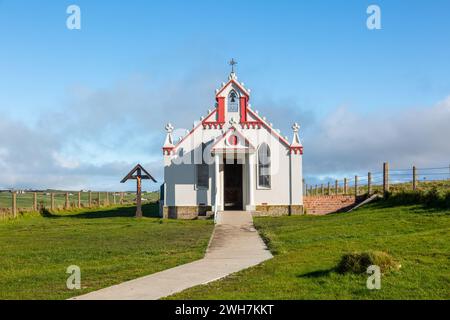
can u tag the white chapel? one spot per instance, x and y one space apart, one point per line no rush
232 159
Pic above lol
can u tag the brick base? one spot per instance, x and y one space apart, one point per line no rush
277 210
321 205
185 212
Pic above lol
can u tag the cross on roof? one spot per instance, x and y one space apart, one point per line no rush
296 127
232 64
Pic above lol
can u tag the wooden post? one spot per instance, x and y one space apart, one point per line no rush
311 190
14 204
67 205
336 187
52 201
385 177
35 207
107 198
79 199
369 183
345 185
114 198
414 178
138 198
329 188
90 199
98 199
356 186
121 198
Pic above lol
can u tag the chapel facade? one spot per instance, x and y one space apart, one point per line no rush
232 159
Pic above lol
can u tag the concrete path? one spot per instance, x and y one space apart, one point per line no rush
235 245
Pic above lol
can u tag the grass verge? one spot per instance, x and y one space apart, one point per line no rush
308 249
109 245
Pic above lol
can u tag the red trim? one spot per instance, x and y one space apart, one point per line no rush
273 132
236 83
297 150
243 105
225 134
168 150
195 128
221 109
251 125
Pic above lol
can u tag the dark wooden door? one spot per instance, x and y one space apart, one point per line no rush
233 186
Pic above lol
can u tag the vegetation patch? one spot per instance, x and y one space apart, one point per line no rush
434 198
358 262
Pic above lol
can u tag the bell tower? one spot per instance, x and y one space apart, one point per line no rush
232 99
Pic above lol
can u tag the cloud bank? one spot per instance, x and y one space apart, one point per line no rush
98 135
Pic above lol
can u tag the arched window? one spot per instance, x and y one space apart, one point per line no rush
264 166
203 170
233 101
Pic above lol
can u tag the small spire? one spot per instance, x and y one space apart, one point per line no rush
168 143
296 139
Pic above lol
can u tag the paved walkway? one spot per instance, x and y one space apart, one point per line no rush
235 245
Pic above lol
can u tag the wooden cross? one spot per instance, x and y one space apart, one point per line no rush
136 174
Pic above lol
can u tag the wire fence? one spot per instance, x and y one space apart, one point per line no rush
14 202
387 180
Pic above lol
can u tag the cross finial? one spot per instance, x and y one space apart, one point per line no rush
169 128
296 127
232 64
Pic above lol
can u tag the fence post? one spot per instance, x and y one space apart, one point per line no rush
35 208
67 205
336 187
107 199
121 198
98 199
14 204
414 178
52 201
90 199
114 198
79 199
345 186
385 177
329 188
356 186
369 183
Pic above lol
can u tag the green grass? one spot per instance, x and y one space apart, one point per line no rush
109 245
308 248
25 201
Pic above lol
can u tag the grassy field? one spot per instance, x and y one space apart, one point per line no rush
308 248
26 200
109 245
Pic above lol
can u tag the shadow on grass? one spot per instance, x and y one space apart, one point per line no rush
317 273
149 210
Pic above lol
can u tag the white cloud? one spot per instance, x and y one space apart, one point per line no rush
348 142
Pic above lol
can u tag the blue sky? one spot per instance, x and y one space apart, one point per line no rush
80 106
